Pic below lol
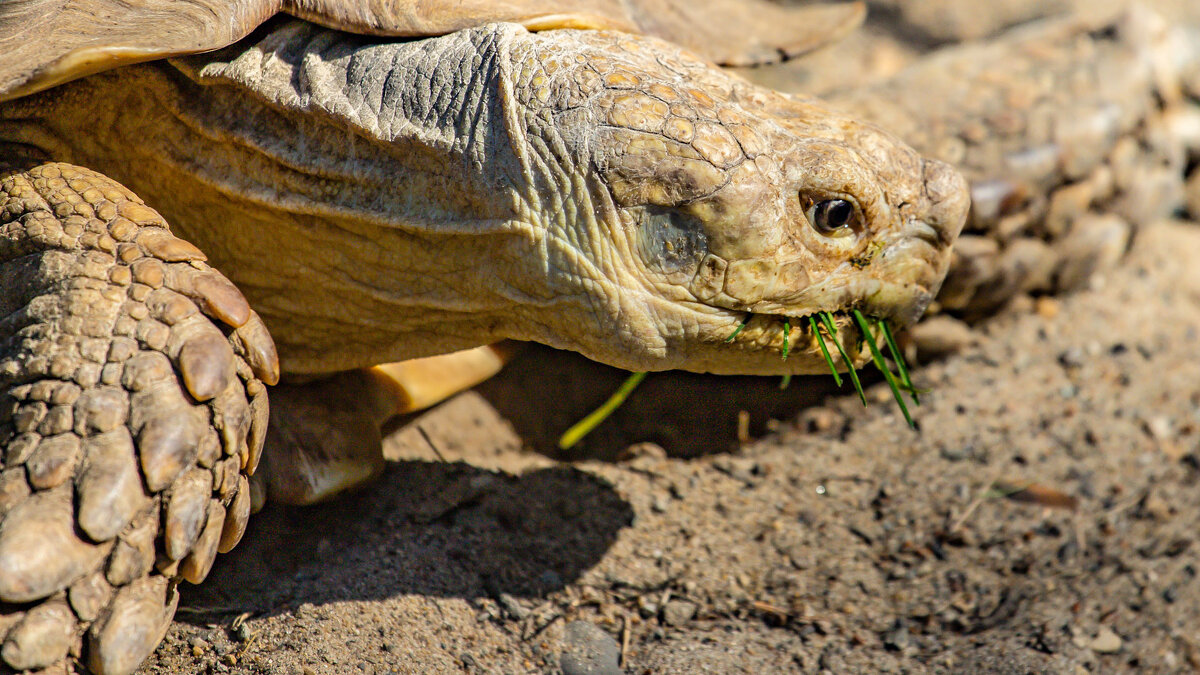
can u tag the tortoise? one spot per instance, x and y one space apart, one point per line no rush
378 182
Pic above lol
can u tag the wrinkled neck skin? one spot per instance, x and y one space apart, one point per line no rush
378 201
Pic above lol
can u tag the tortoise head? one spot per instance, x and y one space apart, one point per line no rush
719 203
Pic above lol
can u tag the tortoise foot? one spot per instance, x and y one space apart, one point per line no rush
324 438
132 411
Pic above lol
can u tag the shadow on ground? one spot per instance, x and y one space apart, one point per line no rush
450 530
457 530
544 391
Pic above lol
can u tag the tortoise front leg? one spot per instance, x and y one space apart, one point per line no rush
324 436
132 411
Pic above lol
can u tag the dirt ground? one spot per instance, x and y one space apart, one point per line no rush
838 541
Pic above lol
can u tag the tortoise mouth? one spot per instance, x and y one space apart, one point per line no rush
889 303
850 332
790 334
895 281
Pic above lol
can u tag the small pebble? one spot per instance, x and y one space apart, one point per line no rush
954 453
587 650
1106 641
941 336
647 607
1160 427
1047 307
896 638
678 612
512 606
1072 358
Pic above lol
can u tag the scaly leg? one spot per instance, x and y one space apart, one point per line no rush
324 435
132 411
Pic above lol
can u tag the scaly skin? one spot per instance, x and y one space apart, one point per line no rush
126 413
407 188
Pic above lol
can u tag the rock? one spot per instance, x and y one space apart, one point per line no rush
1047 307
1106 641
1094 245
587 650
199 646
975 263
678 612
941 336
896 638
512 606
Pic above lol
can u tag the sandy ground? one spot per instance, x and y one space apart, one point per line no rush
838 541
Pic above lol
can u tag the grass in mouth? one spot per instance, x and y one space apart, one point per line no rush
822 325
827 319
738 330
899 382
877 357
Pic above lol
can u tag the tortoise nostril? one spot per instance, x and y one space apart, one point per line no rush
949 198
927 233
942 181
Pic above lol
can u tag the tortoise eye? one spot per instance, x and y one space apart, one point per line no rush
833 217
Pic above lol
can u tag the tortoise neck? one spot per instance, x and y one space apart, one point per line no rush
370 198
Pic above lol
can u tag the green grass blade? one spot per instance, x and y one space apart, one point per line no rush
785 382
738 330
787 331
584 426
898 359
828 319
881 365
816 330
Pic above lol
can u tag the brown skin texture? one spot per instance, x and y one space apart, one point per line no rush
133 404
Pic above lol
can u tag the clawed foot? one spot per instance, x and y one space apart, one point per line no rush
132 412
